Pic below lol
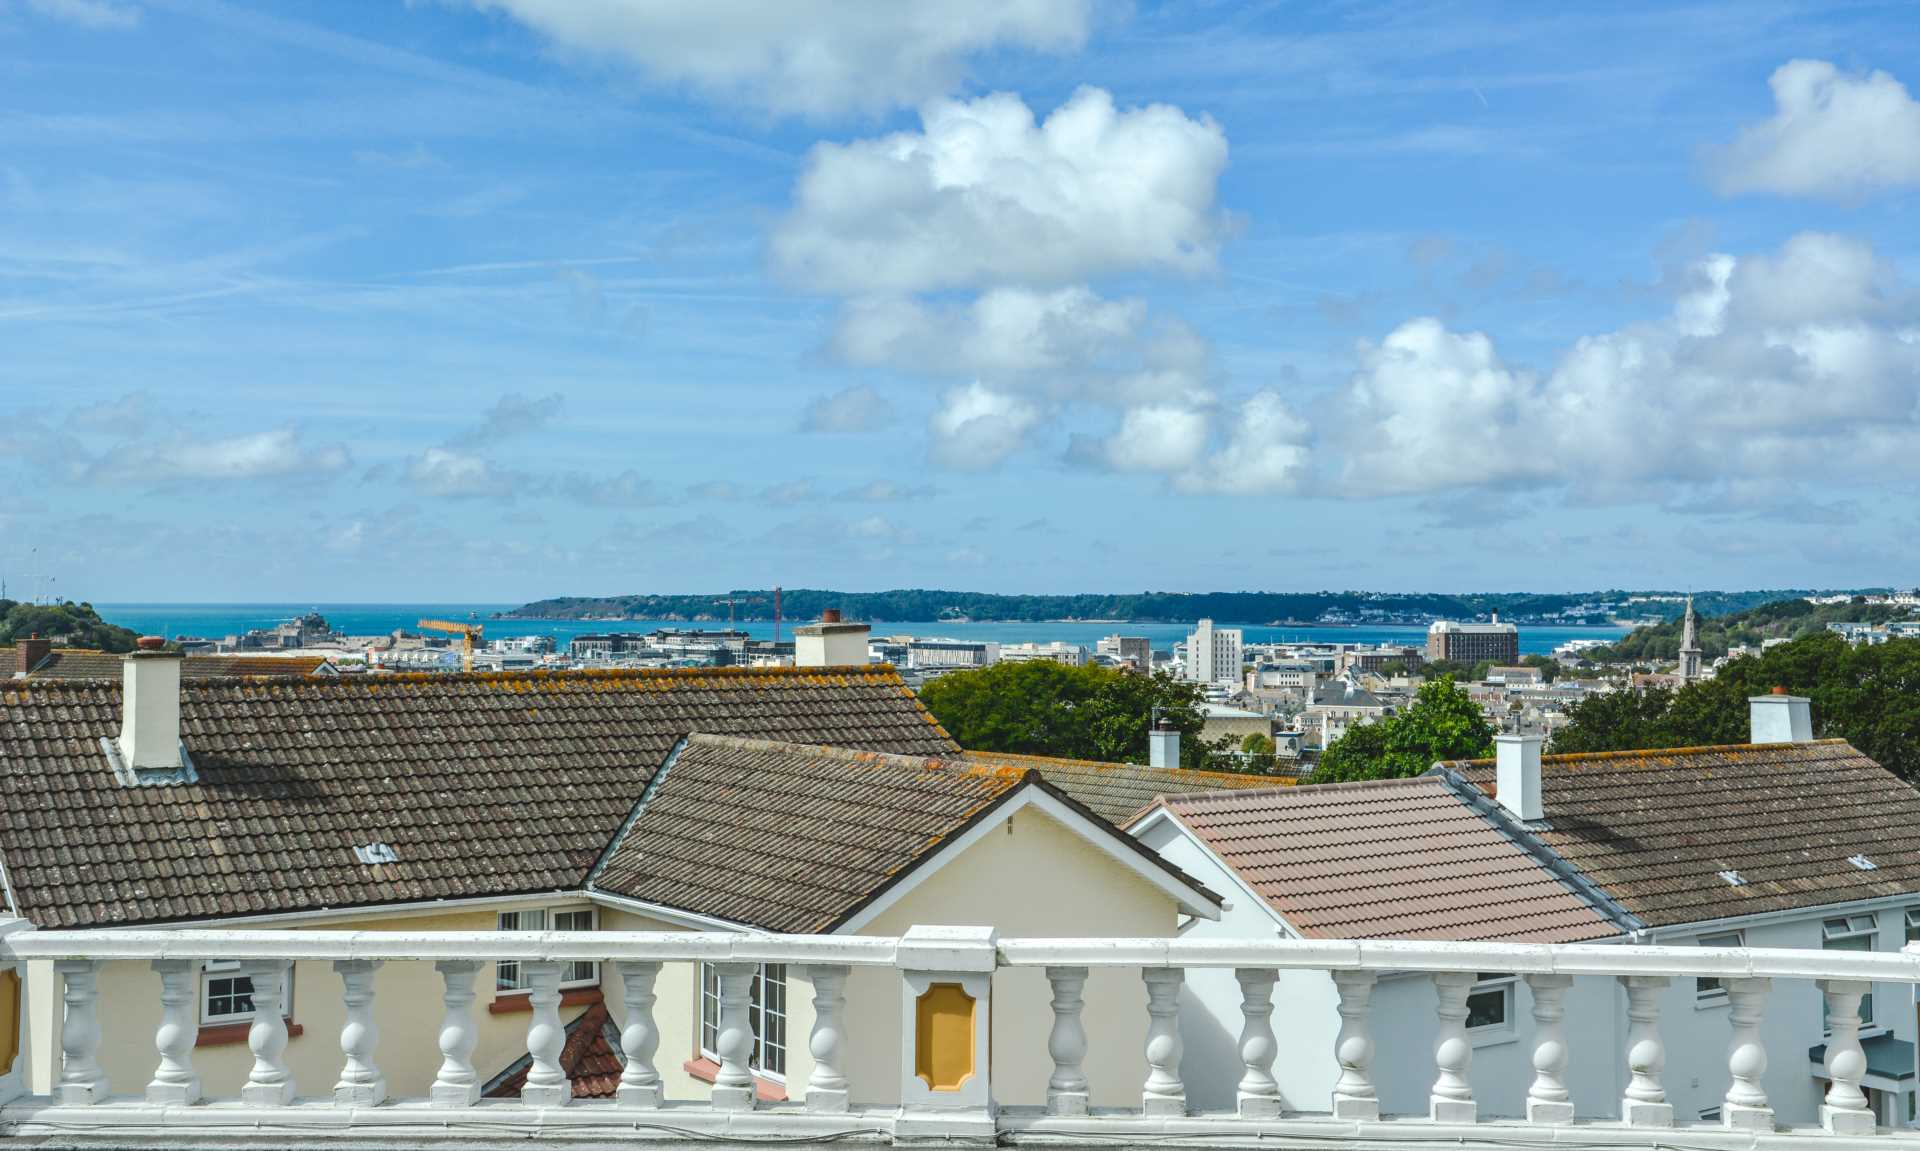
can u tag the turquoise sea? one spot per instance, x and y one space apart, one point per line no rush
216 620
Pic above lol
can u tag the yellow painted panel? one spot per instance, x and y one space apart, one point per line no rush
943 1037
9 1018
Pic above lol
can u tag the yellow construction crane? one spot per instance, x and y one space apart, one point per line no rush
468 633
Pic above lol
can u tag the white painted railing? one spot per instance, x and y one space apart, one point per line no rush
84 1109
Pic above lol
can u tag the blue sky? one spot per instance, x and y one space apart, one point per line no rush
500 299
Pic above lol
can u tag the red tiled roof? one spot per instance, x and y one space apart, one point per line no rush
590 1057
1654 829
1387 859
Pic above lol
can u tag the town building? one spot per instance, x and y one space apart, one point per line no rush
1214 655
1692 847
1218 722
1340 704
1133 650
949 654
1472 643
1056 651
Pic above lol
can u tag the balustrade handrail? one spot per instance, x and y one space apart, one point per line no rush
712 946
1442 956
865 951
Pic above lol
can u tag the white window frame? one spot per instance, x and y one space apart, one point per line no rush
576 973
761 1013
213 969
1841 929
1711 990
1503 1029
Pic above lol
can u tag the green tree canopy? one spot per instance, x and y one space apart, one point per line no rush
69 624
1869 696
1442 722
1045 708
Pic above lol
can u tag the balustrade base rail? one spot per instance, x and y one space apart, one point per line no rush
39 1122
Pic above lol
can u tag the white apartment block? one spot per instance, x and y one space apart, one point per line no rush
1058 651
1214 655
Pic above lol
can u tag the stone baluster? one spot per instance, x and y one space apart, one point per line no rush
1354 1095
827 1083
457 1084
1746 1107
547 1084
1452 1097
361 1084
640 1084
83 1081
174 1081
1645 1104
269 1083
1164 1093
1259 1092
1548 1100
733 1088
1845 1110
1067 1042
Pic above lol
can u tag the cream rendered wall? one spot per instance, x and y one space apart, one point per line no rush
676 1009
1030 877
407 1000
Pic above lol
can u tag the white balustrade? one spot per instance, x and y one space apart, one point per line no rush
83 1081
1354 1095
1258 1096
1452 1097
1746 1107
733 1086
84 961
1548 1100
827 1083
640 1084
269 1083
1165 1093
1645 1103
547 1084
457 1084
1845 1110
1067 1090
361 1084
174 1081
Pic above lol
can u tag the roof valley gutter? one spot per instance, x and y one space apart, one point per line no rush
1523 837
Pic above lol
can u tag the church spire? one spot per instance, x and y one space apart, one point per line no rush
1689 647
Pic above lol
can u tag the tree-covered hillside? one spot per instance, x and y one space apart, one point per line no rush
66 624
1781 619
1139 607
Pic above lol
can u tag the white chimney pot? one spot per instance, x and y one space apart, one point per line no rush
1780 718
830 643
1517 775
150 710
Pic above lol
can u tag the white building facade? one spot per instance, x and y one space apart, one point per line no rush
1214 654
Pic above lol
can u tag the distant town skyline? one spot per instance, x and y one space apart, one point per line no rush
497 300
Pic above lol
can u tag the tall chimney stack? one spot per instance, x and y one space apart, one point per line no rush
1516 775
1163 746
831 642
1780 718
28 653
150 707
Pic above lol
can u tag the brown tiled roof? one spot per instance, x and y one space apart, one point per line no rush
1654 829
484 784
1118 791
1388 859
793 838
590 1057
85 663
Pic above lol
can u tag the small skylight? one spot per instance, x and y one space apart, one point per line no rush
1733 879
371 853
1863 863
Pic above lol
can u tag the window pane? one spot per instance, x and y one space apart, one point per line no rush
709 1008
1487 1008
229 995
773 1031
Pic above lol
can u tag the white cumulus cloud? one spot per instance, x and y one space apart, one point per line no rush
278 454
1831 134
849 411
986 196
976 427
1004 331
813 58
